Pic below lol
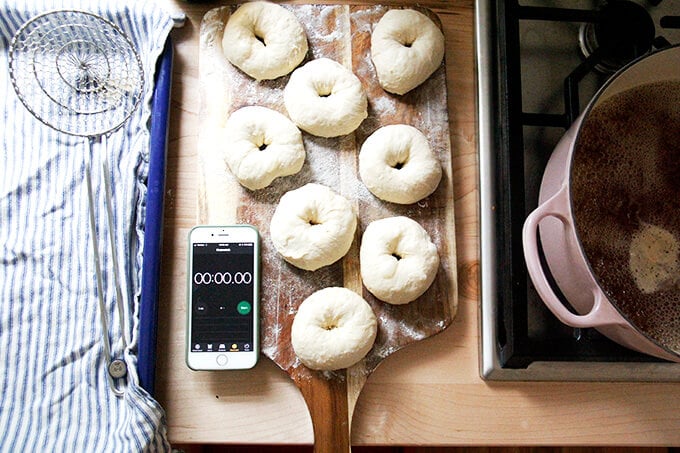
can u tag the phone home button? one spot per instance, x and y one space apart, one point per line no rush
222 359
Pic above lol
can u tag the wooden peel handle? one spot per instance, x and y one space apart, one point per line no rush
327 403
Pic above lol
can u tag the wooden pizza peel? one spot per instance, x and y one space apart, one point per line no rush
342 33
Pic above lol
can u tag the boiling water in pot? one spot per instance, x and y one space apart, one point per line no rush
626 204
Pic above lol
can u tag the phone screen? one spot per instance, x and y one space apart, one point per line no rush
222 292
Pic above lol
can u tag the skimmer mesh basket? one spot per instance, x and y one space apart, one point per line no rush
76 72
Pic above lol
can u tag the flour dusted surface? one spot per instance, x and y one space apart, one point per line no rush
341 33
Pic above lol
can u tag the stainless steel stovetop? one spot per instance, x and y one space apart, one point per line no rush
527 60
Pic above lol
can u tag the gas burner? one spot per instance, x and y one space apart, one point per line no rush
623 31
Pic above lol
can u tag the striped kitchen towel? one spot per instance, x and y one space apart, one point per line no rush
54 393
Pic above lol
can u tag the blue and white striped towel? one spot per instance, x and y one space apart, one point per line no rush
54 394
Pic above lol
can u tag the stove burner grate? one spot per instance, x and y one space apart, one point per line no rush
610 37
623 31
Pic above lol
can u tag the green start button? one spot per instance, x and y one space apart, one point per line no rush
243 307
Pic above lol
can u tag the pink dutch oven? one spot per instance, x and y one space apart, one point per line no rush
554 221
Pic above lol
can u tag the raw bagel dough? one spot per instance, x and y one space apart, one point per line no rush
313 226
397 164
334 328
406 48
654 259
260 145
325 99
398 260
264 40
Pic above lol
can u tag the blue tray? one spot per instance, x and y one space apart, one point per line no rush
153 229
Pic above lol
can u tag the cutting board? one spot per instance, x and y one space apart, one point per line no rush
342 33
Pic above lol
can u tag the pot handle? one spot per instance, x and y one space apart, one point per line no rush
601 314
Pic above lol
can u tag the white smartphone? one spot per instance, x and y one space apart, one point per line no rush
223 331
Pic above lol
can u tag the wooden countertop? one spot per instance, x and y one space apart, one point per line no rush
430 393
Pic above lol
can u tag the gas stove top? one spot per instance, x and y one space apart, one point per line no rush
538 65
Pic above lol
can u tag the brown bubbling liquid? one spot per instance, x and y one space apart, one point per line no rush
625 183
